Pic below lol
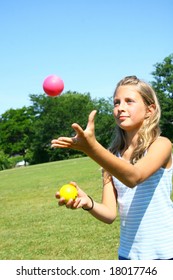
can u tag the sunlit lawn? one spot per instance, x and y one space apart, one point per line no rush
33 226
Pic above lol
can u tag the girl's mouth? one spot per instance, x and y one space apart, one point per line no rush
122 117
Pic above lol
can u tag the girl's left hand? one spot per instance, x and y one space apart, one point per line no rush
82 199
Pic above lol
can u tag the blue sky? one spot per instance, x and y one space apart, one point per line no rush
90 44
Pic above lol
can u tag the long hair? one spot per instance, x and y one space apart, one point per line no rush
149 130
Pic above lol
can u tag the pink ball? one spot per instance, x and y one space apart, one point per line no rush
53 85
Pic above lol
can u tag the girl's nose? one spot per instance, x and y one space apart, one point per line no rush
121 106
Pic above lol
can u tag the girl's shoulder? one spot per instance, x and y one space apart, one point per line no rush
164 141
164 146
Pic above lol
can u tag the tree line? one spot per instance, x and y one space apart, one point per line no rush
26 133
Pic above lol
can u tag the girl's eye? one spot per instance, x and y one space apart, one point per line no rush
129 101
116 102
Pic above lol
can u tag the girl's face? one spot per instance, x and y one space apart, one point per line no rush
129 108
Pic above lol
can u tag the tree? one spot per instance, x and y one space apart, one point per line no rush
53 118
163 85
29 131
15 131
105 122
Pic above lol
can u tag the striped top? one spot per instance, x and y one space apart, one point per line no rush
146 214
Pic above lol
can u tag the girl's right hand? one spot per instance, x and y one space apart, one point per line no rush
82 141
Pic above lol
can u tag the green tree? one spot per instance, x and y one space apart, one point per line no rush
15 131
163 85
105 122
53 118
29 131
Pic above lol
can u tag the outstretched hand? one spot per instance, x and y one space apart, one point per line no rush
83 140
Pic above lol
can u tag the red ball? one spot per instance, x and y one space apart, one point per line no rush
53 85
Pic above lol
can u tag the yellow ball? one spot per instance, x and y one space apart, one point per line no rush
68 191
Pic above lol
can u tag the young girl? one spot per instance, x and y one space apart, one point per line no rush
137 173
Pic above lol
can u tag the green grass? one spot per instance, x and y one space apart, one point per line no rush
34 227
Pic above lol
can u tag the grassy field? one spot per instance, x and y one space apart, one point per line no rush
34 227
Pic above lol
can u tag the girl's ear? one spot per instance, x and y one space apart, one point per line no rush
150 110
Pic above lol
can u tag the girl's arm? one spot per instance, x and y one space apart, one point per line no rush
106 211
158 155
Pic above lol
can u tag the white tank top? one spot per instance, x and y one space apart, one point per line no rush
146 214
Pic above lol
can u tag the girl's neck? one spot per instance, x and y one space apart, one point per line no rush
131 139
130 145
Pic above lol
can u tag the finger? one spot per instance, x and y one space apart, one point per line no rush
69 203
78 129
57 195
76 203
74 184
91 119
80 192
62 142
61 202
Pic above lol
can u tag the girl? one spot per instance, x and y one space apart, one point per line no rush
137 173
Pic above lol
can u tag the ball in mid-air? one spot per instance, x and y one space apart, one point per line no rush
53 85
68 191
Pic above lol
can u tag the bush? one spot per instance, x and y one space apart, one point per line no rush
4 161
14 160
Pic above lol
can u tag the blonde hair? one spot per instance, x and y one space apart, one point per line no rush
149 130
